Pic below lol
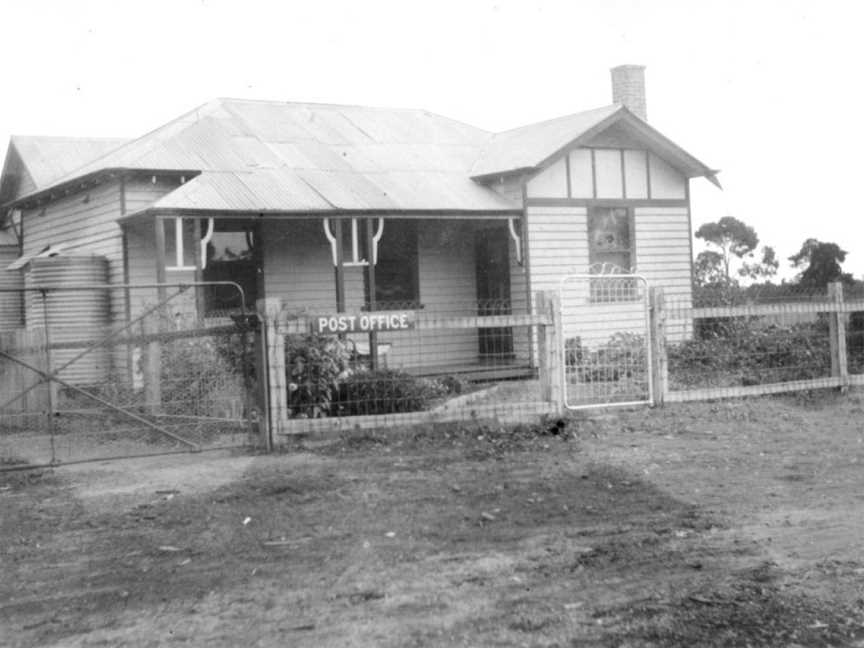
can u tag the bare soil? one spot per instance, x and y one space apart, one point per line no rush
713 524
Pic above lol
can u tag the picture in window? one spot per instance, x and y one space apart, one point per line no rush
610 248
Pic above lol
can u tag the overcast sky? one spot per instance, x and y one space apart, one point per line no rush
769 92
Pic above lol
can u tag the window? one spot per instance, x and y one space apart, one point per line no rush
396 273
231 256
610 249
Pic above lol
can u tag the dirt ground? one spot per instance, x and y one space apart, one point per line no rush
713 524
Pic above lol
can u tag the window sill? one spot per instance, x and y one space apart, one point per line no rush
397 306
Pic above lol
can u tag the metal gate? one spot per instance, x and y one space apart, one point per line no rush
101 371
605 337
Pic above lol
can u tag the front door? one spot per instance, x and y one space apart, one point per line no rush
492 259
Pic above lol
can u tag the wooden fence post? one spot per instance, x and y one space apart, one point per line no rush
837 335
548 350
152 367
659 361
262 392
273 380
542 356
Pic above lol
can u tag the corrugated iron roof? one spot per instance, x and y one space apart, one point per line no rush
257 156
527 146
50 158
275 156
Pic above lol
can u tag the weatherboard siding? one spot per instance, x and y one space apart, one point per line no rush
298 266
85 223
11 304
142 191
141 253
663 258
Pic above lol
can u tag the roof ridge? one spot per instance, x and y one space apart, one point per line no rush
326 104
320 104
560 118
84 138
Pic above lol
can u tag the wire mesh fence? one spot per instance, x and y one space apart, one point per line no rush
400 363
99 371
790 338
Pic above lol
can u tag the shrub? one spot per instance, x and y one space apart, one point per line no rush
387 391
315 365
740 351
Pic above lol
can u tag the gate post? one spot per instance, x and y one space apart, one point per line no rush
550 371
657 332
273 396
837 336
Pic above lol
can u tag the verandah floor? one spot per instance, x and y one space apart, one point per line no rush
478 370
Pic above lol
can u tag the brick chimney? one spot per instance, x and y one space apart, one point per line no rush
628 88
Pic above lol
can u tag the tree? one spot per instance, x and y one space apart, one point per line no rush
764 269
821 264
732 237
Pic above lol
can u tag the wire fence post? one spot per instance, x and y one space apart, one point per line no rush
262 403
273 377
152 367
550 371
657 333
837 333
543 306
50 384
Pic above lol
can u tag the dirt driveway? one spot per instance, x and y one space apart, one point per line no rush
716 524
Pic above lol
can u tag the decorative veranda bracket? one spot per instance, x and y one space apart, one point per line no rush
179 246
517 240
356 258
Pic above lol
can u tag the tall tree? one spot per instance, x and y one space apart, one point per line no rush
820 264
731 238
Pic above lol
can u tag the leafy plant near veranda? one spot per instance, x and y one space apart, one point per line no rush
315 365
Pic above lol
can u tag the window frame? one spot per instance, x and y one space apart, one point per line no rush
608 289
413 269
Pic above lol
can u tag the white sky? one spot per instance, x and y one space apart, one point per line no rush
766 91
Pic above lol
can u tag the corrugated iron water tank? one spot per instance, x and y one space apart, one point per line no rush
11 303
75 317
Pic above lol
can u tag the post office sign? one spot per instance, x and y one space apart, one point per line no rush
363 322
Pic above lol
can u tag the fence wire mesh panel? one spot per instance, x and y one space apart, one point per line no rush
787 339
405 363
605 340
107 371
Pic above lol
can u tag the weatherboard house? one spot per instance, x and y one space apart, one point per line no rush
351 209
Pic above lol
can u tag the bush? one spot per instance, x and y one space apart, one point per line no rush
315 365
739 351
387 391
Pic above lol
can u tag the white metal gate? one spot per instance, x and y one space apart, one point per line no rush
606 347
